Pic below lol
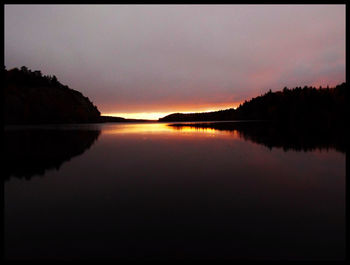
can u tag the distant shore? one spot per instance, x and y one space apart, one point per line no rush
33 98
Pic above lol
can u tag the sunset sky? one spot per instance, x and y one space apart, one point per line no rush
138 61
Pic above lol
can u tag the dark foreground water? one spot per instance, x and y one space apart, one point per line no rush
117 191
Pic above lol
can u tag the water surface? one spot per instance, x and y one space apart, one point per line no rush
158 190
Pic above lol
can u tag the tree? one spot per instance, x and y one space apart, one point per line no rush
54 79
24 69
37 73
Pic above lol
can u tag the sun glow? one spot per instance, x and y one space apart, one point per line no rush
160 114
168 129
139 115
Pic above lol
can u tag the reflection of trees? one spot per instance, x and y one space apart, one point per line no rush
300 137
32 152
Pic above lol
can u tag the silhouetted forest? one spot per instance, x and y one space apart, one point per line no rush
33 98
32 152
119 119
280 135
298 105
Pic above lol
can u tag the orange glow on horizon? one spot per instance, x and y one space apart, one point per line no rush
164 129
150 115
137 128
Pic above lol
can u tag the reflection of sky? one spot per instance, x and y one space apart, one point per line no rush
154 60
162 128
143 190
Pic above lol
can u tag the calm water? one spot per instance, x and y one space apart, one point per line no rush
115 191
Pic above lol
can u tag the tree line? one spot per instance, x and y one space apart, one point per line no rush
298 105
33 98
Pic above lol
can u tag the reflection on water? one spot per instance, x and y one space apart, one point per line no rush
136 128
148 191
151 128
33 152
276 135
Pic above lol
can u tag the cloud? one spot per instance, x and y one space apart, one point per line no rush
134 58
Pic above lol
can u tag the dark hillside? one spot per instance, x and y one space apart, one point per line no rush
31 98
298 105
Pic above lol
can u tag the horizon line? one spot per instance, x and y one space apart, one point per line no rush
155 115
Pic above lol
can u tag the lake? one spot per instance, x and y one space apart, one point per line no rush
172 191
